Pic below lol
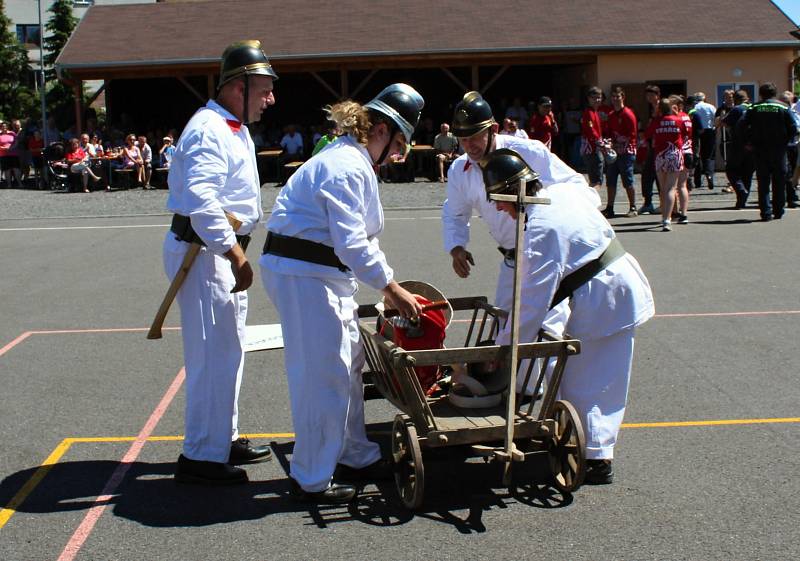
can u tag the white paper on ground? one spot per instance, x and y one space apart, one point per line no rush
263 337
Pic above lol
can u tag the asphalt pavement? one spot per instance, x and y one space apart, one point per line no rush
92 412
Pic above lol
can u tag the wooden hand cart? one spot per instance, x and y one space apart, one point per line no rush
427 423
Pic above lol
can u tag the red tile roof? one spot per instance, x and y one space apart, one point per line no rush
197 32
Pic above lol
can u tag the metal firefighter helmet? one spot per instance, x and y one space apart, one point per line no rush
472 115
502 171
244 58
402 104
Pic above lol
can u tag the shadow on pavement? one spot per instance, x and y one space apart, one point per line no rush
149 495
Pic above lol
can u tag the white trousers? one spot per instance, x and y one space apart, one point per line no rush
554 322
213 322
596 382
324 359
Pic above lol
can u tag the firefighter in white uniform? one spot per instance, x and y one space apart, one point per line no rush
214 172
322 238
607 304
476 129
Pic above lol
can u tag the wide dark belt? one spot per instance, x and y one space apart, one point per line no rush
575 279
508 254
303 250
182 228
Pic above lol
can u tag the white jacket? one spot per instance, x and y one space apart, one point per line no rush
333 199
467 194
559 239
214 170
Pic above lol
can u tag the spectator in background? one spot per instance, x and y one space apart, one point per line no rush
572 132
740 165
652 94
292 144
688 147
591 135
768 128
542 125
604 110
667 132
9 161
445 146
78 162
707 137
167 152
506 127
97 145
722 131
147 162
51 133
623 132
517 112
132 158
517 131
331 134
35 146
791 153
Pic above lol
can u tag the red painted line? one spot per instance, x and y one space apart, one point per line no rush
100 503
15 342
734 314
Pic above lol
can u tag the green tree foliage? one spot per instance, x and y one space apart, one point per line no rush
16 98
60 96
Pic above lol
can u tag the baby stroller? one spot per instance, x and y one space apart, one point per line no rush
56 177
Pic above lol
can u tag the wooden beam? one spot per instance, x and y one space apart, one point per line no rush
210 85
189 87
345 85
476 85
100 90
494 78
455 79
364 82
78 90
325 84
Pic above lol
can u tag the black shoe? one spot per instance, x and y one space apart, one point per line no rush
766 218
608 212
336 493
242 452
599 472
380 470
208 473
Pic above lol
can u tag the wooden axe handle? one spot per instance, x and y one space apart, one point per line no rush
437 305
177 282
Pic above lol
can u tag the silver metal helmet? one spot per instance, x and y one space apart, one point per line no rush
402 104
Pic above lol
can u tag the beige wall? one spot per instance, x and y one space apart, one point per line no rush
702 70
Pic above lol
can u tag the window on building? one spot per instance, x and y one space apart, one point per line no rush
28 34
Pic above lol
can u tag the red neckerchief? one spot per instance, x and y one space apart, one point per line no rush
234 125
467 165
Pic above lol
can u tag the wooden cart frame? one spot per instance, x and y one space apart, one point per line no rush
425 423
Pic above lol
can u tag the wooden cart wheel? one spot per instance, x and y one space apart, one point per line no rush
566 448
409 474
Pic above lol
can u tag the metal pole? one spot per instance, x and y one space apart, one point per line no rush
42 84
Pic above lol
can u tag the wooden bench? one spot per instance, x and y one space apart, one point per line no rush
159 178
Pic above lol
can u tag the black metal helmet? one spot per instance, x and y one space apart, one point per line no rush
402 104
472 115
244 58
502 171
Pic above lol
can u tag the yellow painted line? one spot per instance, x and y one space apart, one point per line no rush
36 478
669 424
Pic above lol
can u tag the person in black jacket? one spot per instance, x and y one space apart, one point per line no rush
768 129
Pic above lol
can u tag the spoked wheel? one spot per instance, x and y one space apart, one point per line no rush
409 474
566 448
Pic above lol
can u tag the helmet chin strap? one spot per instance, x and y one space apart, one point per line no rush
489 141
392 131
246 99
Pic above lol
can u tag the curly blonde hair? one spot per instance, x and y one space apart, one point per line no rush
351 118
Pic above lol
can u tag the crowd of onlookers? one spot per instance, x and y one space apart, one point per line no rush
674 146
31 154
